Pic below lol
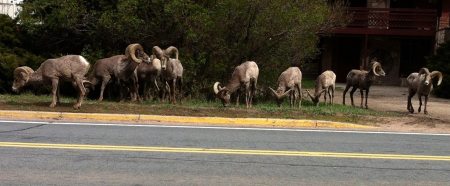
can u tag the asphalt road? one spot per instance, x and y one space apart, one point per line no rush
73 154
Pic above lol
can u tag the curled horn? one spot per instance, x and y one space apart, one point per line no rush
158 52
23 69
424 71
170 50
130 52
275 93
309 94
286 93
374 69
217 88
438 74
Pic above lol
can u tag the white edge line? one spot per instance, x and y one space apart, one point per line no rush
222 128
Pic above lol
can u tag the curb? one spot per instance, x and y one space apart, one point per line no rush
270 122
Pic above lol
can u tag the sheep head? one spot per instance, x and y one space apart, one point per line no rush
222 93
428 77
280 94
315 99
425 73
21 77
376 69
159 53
135 52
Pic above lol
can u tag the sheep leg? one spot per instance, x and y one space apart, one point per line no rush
292 98
409 106
367 96
247 96
420 104
329 95
362 97
134 89
237 98
58 95
351 95
345 92
172 91
82 92
332 95
299 89
253 91
425 109
145 91
105 81
54 90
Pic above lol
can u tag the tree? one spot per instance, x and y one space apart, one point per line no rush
441 62
12 54
213 35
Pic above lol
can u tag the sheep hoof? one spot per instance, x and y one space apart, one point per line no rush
411 111
52 105
425 112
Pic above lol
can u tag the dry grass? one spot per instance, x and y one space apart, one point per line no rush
341 113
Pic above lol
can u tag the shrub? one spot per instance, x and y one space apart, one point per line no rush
441 62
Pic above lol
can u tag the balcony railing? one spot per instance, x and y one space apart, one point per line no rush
391 21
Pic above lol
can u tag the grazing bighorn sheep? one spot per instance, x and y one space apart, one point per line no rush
171 70
244 75
289 83
326 82
66 68
148 73
363 80
122 68
422 84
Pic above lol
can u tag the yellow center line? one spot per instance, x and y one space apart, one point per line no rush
223 151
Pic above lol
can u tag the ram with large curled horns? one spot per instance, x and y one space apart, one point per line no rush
422 84
244 76
122 68
66 68
289 84
171 71
363 80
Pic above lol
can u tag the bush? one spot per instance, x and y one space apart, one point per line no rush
441 62
11 55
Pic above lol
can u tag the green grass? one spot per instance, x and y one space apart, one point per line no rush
196 107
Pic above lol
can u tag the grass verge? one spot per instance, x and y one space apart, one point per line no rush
341 113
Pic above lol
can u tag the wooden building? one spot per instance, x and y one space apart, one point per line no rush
399 33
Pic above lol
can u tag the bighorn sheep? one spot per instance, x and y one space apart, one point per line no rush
289 83
122 68
244 75
422 84
148 73
326 82
363 80
66 68
171 70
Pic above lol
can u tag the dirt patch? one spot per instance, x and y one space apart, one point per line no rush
394 99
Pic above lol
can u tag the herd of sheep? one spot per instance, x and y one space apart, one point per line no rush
136 68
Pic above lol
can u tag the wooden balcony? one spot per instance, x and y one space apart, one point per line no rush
391 21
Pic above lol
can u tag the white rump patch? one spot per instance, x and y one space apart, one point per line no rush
84 60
